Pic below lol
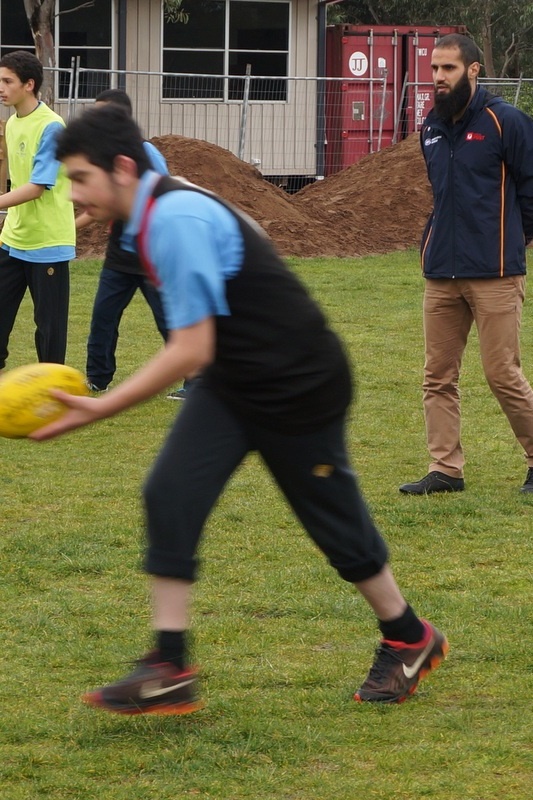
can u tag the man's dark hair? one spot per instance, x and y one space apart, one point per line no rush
116 96
101 134
469 50
26 67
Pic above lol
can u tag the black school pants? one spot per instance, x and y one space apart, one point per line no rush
49 289
115 292
205 446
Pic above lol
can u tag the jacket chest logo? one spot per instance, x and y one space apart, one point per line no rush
474 137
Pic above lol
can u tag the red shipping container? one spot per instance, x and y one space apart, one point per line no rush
386 88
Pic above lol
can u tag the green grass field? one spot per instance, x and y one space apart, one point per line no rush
281 641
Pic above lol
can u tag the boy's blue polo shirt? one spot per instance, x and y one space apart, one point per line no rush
195 245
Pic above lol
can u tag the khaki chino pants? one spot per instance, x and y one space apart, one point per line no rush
450 308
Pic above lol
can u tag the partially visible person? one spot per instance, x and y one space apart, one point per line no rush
273 378
121 276
38 235
479 155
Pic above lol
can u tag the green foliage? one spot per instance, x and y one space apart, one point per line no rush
174 12
519 93
525 100
281 641
503 29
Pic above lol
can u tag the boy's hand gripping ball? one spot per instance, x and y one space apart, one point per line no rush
26 402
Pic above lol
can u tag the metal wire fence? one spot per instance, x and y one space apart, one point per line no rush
293 130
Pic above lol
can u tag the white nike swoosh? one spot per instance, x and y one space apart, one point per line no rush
145 692
411 671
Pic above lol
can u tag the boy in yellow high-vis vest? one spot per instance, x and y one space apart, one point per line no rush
38 236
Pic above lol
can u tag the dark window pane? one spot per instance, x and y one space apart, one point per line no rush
259 26
260 89
194 62
198 64
269 64
85 27
15 28
92 59
8 49
63 85
90 83
176 87
204 29
261 63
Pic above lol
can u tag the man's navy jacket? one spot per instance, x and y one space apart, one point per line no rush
481 173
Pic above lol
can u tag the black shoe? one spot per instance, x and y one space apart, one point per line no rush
436 482
153 687
177 394
527 486
92 387
398 667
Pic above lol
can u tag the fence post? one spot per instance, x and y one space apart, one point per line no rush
382 112
71 103
244 112
518 87
400 111
76 86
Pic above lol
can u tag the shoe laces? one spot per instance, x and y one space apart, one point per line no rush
385 657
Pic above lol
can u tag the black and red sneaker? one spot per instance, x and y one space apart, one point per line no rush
398 667
154 687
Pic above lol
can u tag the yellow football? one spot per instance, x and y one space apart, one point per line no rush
26 402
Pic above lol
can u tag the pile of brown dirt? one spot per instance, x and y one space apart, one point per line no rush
378 205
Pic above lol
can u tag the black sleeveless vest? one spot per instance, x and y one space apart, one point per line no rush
277 362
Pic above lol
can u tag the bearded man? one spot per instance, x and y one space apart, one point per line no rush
478 151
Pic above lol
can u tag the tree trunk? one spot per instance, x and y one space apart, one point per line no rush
486 36
40 14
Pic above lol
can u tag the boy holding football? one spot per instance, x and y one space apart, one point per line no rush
273 378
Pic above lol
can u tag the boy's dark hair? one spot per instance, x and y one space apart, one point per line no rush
101 134
26 66
469 50
116 96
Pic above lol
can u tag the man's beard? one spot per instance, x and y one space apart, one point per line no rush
451 104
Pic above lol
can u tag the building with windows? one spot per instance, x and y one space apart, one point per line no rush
316 98
264 79
188 77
